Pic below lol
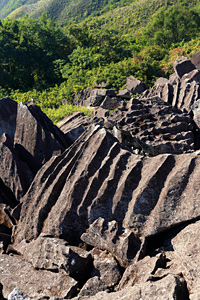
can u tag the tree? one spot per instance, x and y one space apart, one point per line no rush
172 26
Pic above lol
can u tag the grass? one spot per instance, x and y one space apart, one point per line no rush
57 114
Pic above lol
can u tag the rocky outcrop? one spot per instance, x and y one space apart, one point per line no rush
182 89
134 196
113 209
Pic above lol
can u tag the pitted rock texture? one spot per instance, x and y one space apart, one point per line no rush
48 253
153 127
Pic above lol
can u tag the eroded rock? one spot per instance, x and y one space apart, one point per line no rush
183 66
187 253
75 124
153 126
169 287
48 253
16 272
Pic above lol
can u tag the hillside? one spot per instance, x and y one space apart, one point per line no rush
120 14
118 39
67 10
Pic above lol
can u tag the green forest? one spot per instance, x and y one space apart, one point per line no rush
48 61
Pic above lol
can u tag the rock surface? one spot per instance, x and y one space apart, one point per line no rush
181 90
104 207
16 272
48 253
153 127
170 287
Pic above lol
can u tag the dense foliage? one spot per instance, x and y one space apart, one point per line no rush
42 61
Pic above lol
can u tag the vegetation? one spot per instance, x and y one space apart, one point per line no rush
58 114
45 62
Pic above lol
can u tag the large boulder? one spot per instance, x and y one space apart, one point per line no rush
133 86
183 66
33 142
33 135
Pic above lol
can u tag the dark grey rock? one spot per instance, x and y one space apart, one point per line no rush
182 66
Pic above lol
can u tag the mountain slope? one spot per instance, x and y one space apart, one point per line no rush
122 15
7 6
66 9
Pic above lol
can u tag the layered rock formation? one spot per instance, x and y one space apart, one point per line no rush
102 208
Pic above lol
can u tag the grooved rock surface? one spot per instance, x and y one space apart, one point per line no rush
98 177
16 272
113 209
